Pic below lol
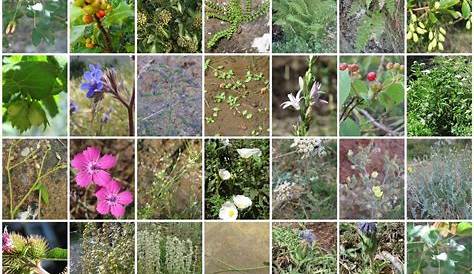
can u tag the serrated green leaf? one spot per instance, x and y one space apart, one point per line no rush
35 79
360 88
119 14
395 92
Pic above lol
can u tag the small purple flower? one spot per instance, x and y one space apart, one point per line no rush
367 228
93 80
73 107
7 243
316 93
106 116
308 236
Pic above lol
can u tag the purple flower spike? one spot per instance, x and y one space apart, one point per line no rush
93 80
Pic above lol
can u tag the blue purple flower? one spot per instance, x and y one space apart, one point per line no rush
93 80
367 228
308 236
73 107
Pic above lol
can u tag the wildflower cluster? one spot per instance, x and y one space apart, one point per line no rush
93 81
309 147
92 168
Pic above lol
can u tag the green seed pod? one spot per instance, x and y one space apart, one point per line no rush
440 46
430 35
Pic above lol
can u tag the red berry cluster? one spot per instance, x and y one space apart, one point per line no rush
354 68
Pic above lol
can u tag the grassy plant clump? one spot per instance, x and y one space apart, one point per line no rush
233 169
440 97
108 248
169 26
169 248
304 179
373 190
439 180
300 250
439 247
304 26
234 15
371 248
170 189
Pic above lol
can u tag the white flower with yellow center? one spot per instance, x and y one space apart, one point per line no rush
249 152
241 201
224 174
228 212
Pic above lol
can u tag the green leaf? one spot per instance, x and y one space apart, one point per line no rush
349 128
464 228
36 37
466 9
35 79
76 33
118 15
360 88
448 3
433 18
395 92
363 33
43 190
50 105
344 86
56 254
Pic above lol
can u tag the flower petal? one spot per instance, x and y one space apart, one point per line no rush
125 198
101 178
301 83
91 154
90 93
107 161
83 179
79 161
117 210
101 194
103 208
88 76
113 186
85 86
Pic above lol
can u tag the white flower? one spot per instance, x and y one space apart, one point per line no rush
316 93
294 101
374 174
460 248
241 201
37 7
441 257
228 212
226 142
224 174
249 152
350 153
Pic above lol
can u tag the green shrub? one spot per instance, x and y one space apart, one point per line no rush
439 184
439 97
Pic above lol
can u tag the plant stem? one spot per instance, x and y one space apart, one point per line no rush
105 33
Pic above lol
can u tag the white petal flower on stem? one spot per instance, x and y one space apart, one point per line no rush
37 7
224 174
441 257
249 152
241 201
294 101
316 93
228 212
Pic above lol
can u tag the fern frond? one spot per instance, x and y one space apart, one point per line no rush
214 6
363 33
261 11
248 7
227 33
218 16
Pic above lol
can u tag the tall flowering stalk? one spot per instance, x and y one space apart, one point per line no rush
98 82
307 96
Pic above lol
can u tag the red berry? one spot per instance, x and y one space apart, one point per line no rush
371 76
343 66
354 67
100 13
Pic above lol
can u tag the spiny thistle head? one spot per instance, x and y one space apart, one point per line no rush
37 247
19 242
